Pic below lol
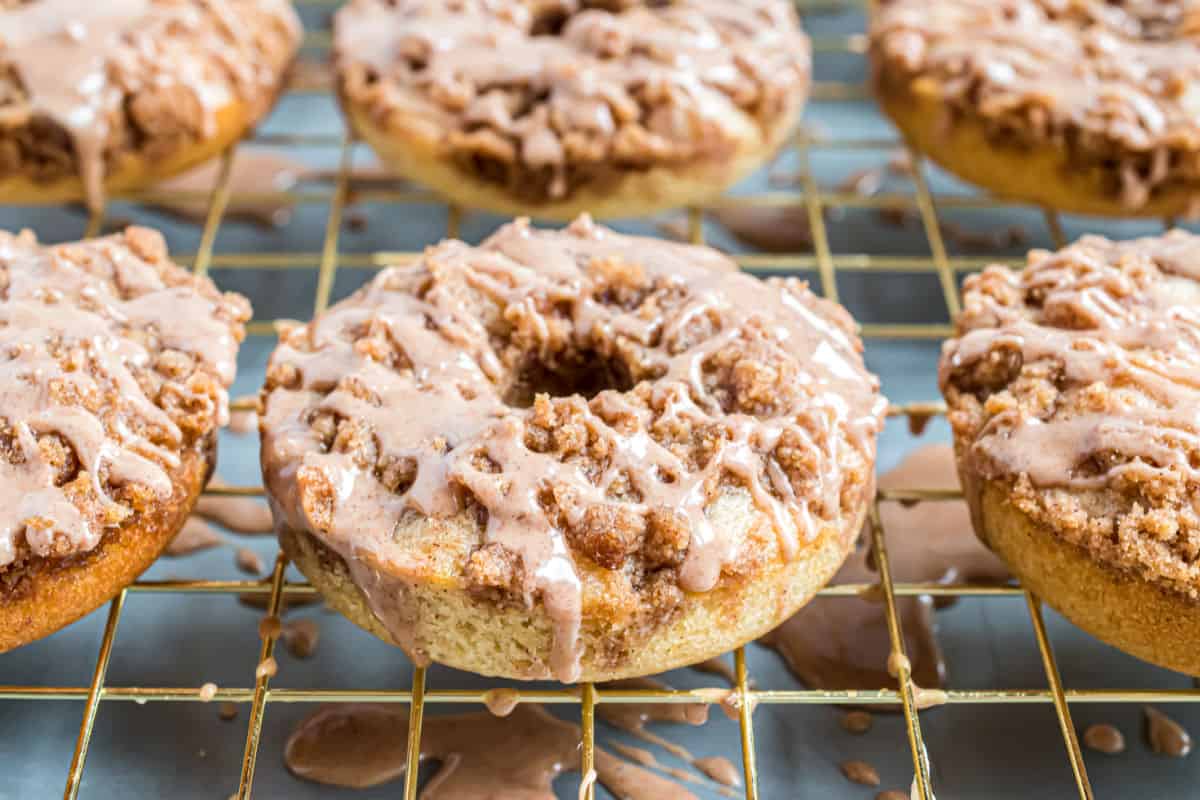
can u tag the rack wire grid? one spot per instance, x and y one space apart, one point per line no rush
807 195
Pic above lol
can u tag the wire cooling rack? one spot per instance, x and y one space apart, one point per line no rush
817 203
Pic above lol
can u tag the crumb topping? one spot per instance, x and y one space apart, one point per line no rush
1077 381
113 363
588 397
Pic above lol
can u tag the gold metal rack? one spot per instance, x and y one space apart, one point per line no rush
808 195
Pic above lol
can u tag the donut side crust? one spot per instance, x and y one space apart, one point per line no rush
510 641
419 155
133 171
48 594
1129 612
1044 176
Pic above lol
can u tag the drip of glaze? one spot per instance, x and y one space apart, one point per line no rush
716 768
633 717
252 172
1104 738
239 514
842 643
720 769
1166 736
194 536
501 702
479 755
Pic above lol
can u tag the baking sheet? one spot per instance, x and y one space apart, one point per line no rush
183 750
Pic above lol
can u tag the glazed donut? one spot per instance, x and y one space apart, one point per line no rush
113 376
1073 387
114 95
570 454
1086 106
559 107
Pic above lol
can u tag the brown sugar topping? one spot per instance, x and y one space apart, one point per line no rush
1077 381
1112 82
460 385
113 363
545 96
82 83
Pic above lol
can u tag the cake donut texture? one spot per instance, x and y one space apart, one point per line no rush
1089 107
570 454
114 366
561 107
1073 387
112 95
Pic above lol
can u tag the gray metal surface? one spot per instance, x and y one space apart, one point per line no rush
183 750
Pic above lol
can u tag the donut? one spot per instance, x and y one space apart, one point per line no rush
1073 386
114 95
114 370
570 454
554 108
1085 107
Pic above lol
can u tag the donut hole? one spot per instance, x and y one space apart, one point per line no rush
583 374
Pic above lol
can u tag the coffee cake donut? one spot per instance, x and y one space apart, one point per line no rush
113 95
1073 388
570 454
558 107
1087 107
114 365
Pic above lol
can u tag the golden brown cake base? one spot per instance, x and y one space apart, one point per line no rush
54 593
414 151
513 642
133 171
1043 176
1118 607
